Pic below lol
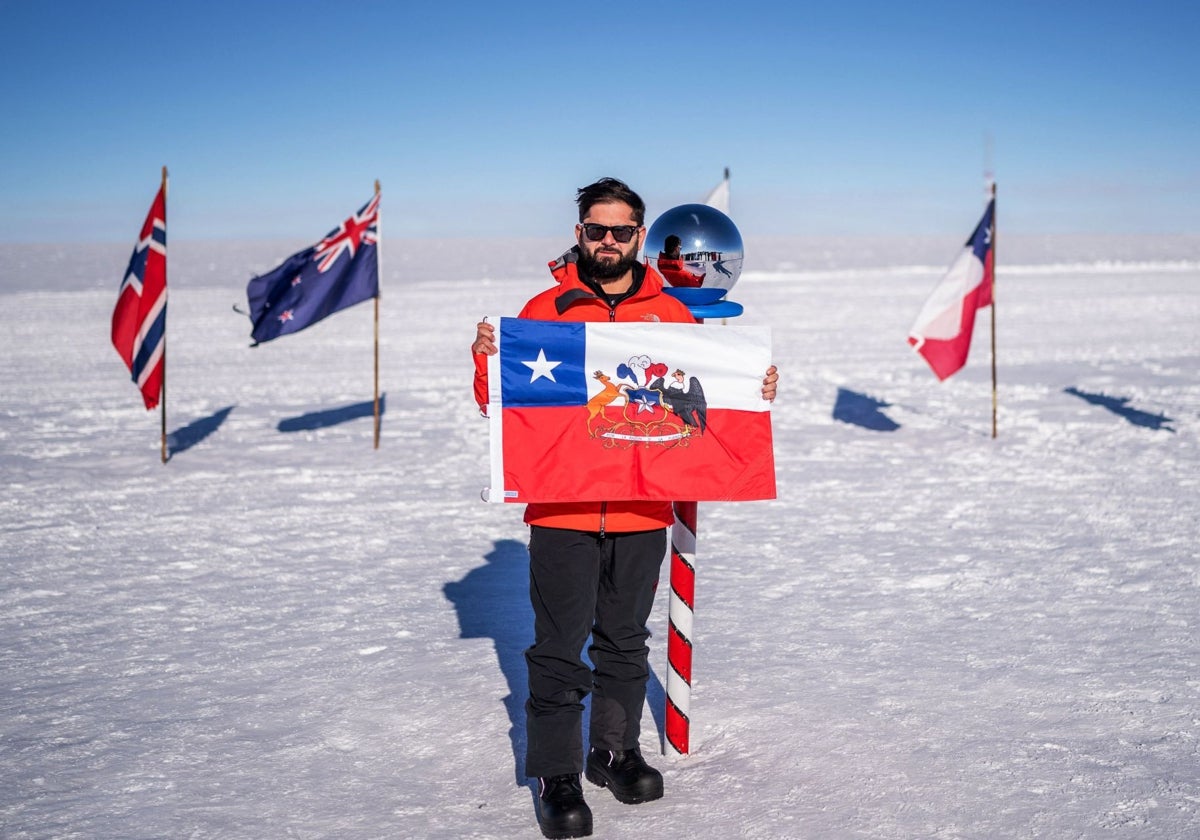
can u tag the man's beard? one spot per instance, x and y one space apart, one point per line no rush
601 270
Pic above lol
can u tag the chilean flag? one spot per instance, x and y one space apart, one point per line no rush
629 411
942 332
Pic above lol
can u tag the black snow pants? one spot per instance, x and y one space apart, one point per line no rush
583 583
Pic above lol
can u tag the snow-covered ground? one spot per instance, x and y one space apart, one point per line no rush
283 632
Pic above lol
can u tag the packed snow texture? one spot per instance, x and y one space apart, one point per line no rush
285 633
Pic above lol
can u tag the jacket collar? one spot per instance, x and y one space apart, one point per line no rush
572 289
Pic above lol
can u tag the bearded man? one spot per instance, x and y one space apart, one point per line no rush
593 566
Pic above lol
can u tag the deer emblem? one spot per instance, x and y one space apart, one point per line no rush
598 403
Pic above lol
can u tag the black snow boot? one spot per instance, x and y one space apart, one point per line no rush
561 811
626 774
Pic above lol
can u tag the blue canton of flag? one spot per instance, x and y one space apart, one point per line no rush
981 239
529 377
339 271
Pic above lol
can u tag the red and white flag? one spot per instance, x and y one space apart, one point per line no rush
629 411
942 332
139 321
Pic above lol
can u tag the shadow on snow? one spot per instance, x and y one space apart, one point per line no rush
332 417
185 437
861 410
492 602
1120 407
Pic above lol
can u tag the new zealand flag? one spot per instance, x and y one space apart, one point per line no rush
339 271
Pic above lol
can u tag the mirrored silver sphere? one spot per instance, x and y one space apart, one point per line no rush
697 247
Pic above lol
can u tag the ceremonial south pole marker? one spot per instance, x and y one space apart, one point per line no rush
700 254
683 593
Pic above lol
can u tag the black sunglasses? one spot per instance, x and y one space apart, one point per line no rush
621 233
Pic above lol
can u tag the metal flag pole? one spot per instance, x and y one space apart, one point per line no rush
995 398
378 292
163 391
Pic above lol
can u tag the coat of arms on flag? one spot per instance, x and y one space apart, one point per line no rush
604 411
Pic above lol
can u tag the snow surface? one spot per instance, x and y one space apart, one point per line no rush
283 633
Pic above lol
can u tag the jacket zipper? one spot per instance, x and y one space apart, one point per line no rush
612 316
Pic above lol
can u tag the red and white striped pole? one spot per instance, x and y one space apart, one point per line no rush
679 637
683 591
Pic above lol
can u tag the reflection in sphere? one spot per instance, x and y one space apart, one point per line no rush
696 247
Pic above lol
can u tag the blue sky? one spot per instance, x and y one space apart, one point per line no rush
856 118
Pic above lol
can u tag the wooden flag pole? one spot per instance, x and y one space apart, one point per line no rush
994 393
162 402
379 270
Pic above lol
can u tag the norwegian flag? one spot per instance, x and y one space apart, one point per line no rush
942 331
139 322
339 271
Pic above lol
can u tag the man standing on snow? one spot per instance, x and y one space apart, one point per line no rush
593 566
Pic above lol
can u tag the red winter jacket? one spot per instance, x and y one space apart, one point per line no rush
572 300
678 274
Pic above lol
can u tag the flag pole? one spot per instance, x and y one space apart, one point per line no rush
994 390
379 274
163 392
680 617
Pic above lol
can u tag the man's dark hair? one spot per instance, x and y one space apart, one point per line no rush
607 191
